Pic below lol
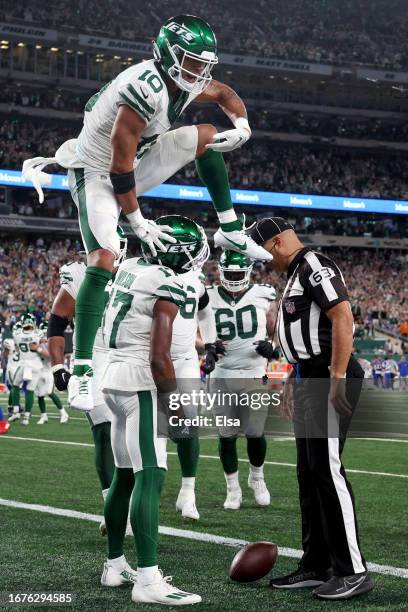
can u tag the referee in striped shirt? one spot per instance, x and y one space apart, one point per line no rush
315 331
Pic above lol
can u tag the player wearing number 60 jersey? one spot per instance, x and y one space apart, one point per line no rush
244 316
126 148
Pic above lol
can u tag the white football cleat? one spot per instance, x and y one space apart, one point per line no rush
261 493
80 391
239 241
161 591
42 420
186 504
26 419
14 417
233 499
113 577
64 416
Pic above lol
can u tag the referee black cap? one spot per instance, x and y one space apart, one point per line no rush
269 227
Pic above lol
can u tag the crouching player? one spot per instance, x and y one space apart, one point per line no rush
244 316
138 323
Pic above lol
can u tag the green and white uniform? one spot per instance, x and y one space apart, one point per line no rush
161 153
240 321
128 384
183 349
71 277
30 364
13 360
45 385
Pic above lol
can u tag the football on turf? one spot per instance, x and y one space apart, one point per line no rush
253 562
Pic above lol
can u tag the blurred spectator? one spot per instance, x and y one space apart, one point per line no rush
352 31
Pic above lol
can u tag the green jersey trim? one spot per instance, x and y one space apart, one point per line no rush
228 298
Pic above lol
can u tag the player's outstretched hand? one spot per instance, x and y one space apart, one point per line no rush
61 378
153 235
229 140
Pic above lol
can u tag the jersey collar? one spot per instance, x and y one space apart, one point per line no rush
295 261
230 298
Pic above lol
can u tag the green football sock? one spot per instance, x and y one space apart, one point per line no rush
116 510
15 394
10 401
144 514
29 401
213 172
89 308
227 448
41 404
256 448
56 400
104 462
188 450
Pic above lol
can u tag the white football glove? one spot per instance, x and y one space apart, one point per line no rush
231 139
149 232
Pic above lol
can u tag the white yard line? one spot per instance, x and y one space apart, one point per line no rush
199 536
277 463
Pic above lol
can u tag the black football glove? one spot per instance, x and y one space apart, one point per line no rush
213 350
266 350
61 378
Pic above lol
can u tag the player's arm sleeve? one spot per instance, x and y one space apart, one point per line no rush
140 98
67 280
206 320
172 291
324 284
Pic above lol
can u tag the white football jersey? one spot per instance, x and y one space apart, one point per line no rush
22 342
142 88
128 319
71 277
241 322
185 323
13 356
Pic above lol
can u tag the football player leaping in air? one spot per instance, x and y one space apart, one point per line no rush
125 149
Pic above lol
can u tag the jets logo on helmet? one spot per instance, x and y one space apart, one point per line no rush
190 251
235 271
186 49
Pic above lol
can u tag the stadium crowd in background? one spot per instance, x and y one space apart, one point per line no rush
261 164
379 299
267 28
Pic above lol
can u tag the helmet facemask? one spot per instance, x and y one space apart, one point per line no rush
201 78
193 262
122 251
235 278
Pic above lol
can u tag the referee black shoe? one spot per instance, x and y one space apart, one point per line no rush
345 587
300 579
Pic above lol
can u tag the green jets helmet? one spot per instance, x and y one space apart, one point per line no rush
235 271
28 323
190 251
186 49
122 247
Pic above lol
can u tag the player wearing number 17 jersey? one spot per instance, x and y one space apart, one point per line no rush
126 148
244 316
146 297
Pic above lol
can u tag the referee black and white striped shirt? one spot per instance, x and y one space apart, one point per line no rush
315 284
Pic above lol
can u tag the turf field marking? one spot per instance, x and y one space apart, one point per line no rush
199 536
277 463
